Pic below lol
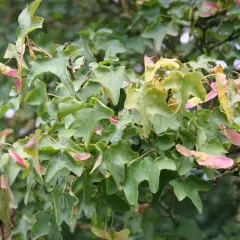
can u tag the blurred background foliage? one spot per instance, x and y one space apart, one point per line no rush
129 29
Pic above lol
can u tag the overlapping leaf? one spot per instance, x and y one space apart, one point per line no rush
146 169
149 103
112 79
189 188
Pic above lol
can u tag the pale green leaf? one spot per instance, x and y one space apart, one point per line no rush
112 79
101 233
122 235
28 22
55 66
149 103
59 161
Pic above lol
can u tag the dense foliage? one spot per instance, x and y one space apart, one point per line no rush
108 139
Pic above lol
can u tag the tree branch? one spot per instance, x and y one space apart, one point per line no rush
230 38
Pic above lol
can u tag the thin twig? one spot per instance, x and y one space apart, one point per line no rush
230 38
232 170
169 212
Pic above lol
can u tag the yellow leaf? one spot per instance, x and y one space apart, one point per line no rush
217 69
222 96
167 63
151 67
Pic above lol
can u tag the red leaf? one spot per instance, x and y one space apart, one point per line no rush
114 120
6 132
232 135
98 130
81 156
19 159
21 57
217 162
3 182
31 143
209 8
203 159
10 72
7 71
19 84
212 5
183 150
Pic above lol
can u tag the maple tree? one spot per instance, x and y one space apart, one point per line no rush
112 145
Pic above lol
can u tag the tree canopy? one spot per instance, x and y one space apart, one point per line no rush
120 119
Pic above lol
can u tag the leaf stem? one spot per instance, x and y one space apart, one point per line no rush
138 158
53 95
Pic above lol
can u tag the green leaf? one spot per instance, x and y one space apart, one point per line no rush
87 118
188 84
150 103
164 143
60 161
235 9
195 87
4 107
113 47
122 235
213 147
49 111
64 206
31 148
68 106
187 230
55 66
117 203
84 188
116 157
65 52
101 233
115 132
5 207
189 188
45 225
153 169
203 62
162 124
12 171
38 95
84 183
23 227
112 79
178 11
146 169
66 143
28 22
158 31
89 90
11 52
